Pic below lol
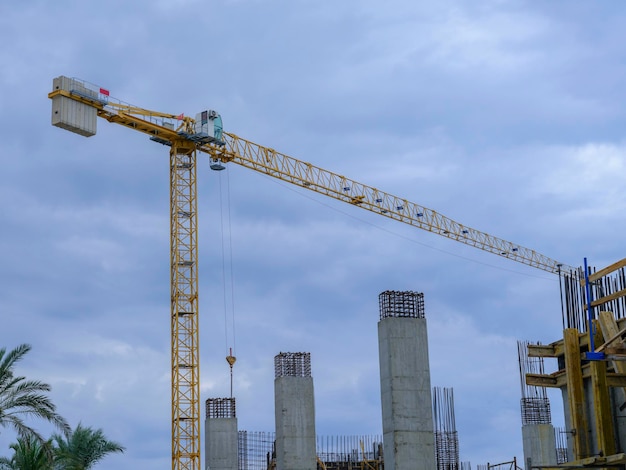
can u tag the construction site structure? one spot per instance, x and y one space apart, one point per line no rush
257 451
591 367
294 409
407 406
419 426
538 433
220 437
76 105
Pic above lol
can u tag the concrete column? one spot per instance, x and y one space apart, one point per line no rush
618 397
408 436
220 439
294 412
539 445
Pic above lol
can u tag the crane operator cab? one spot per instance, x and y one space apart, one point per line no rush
209 127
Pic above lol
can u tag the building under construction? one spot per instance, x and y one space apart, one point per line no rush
590 371
419 430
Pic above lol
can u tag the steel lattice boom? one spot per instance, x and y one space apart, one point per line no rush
303 174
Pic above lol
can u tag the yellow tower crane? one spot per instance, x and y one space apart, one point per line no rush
76 104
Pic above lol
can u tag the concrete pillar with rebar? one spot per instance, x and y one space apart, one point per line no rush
408 436
294 412
538 437
220 440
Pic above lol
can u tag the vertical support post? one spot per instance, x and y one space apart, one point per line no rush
221 437
575 393
406 396
610 329
538 436
184 308
592 355
602 407
294 408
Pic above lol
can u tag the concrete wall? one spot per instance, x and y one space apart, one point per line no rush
406 395
220 444
295 423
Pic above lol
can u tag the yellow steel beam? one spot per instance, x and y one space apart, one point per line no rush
555 380
559 379
184 309
545 350
306 175
601 402
603 272
575 393
608 298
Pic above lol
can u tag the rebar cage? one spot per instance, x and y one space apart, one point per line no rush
296 364
401 304
220 408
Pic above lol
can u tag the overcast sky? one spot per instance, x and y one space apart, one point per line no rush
505 115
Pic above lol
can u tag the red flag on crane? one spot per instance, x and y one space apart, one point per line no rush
180 117
104 92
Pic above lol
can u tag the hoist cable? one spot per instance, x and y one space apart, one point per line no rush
232 271
223 264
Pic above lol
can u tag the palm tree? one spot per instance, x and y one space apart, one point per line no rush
21 398
82 448
29 453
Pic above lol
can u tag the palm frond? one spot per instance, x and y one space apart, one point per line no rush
20 397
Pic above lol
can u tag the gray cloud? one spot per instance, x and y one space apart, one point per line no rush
505 116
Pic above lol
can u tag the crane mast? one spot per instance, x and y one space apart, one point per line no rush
75 106
184 307
78 115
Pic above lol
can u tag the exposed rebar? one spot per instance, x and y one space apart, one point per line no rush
257 452
560 437
574 298
535 405
296 364
446 436
401 304
220 408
